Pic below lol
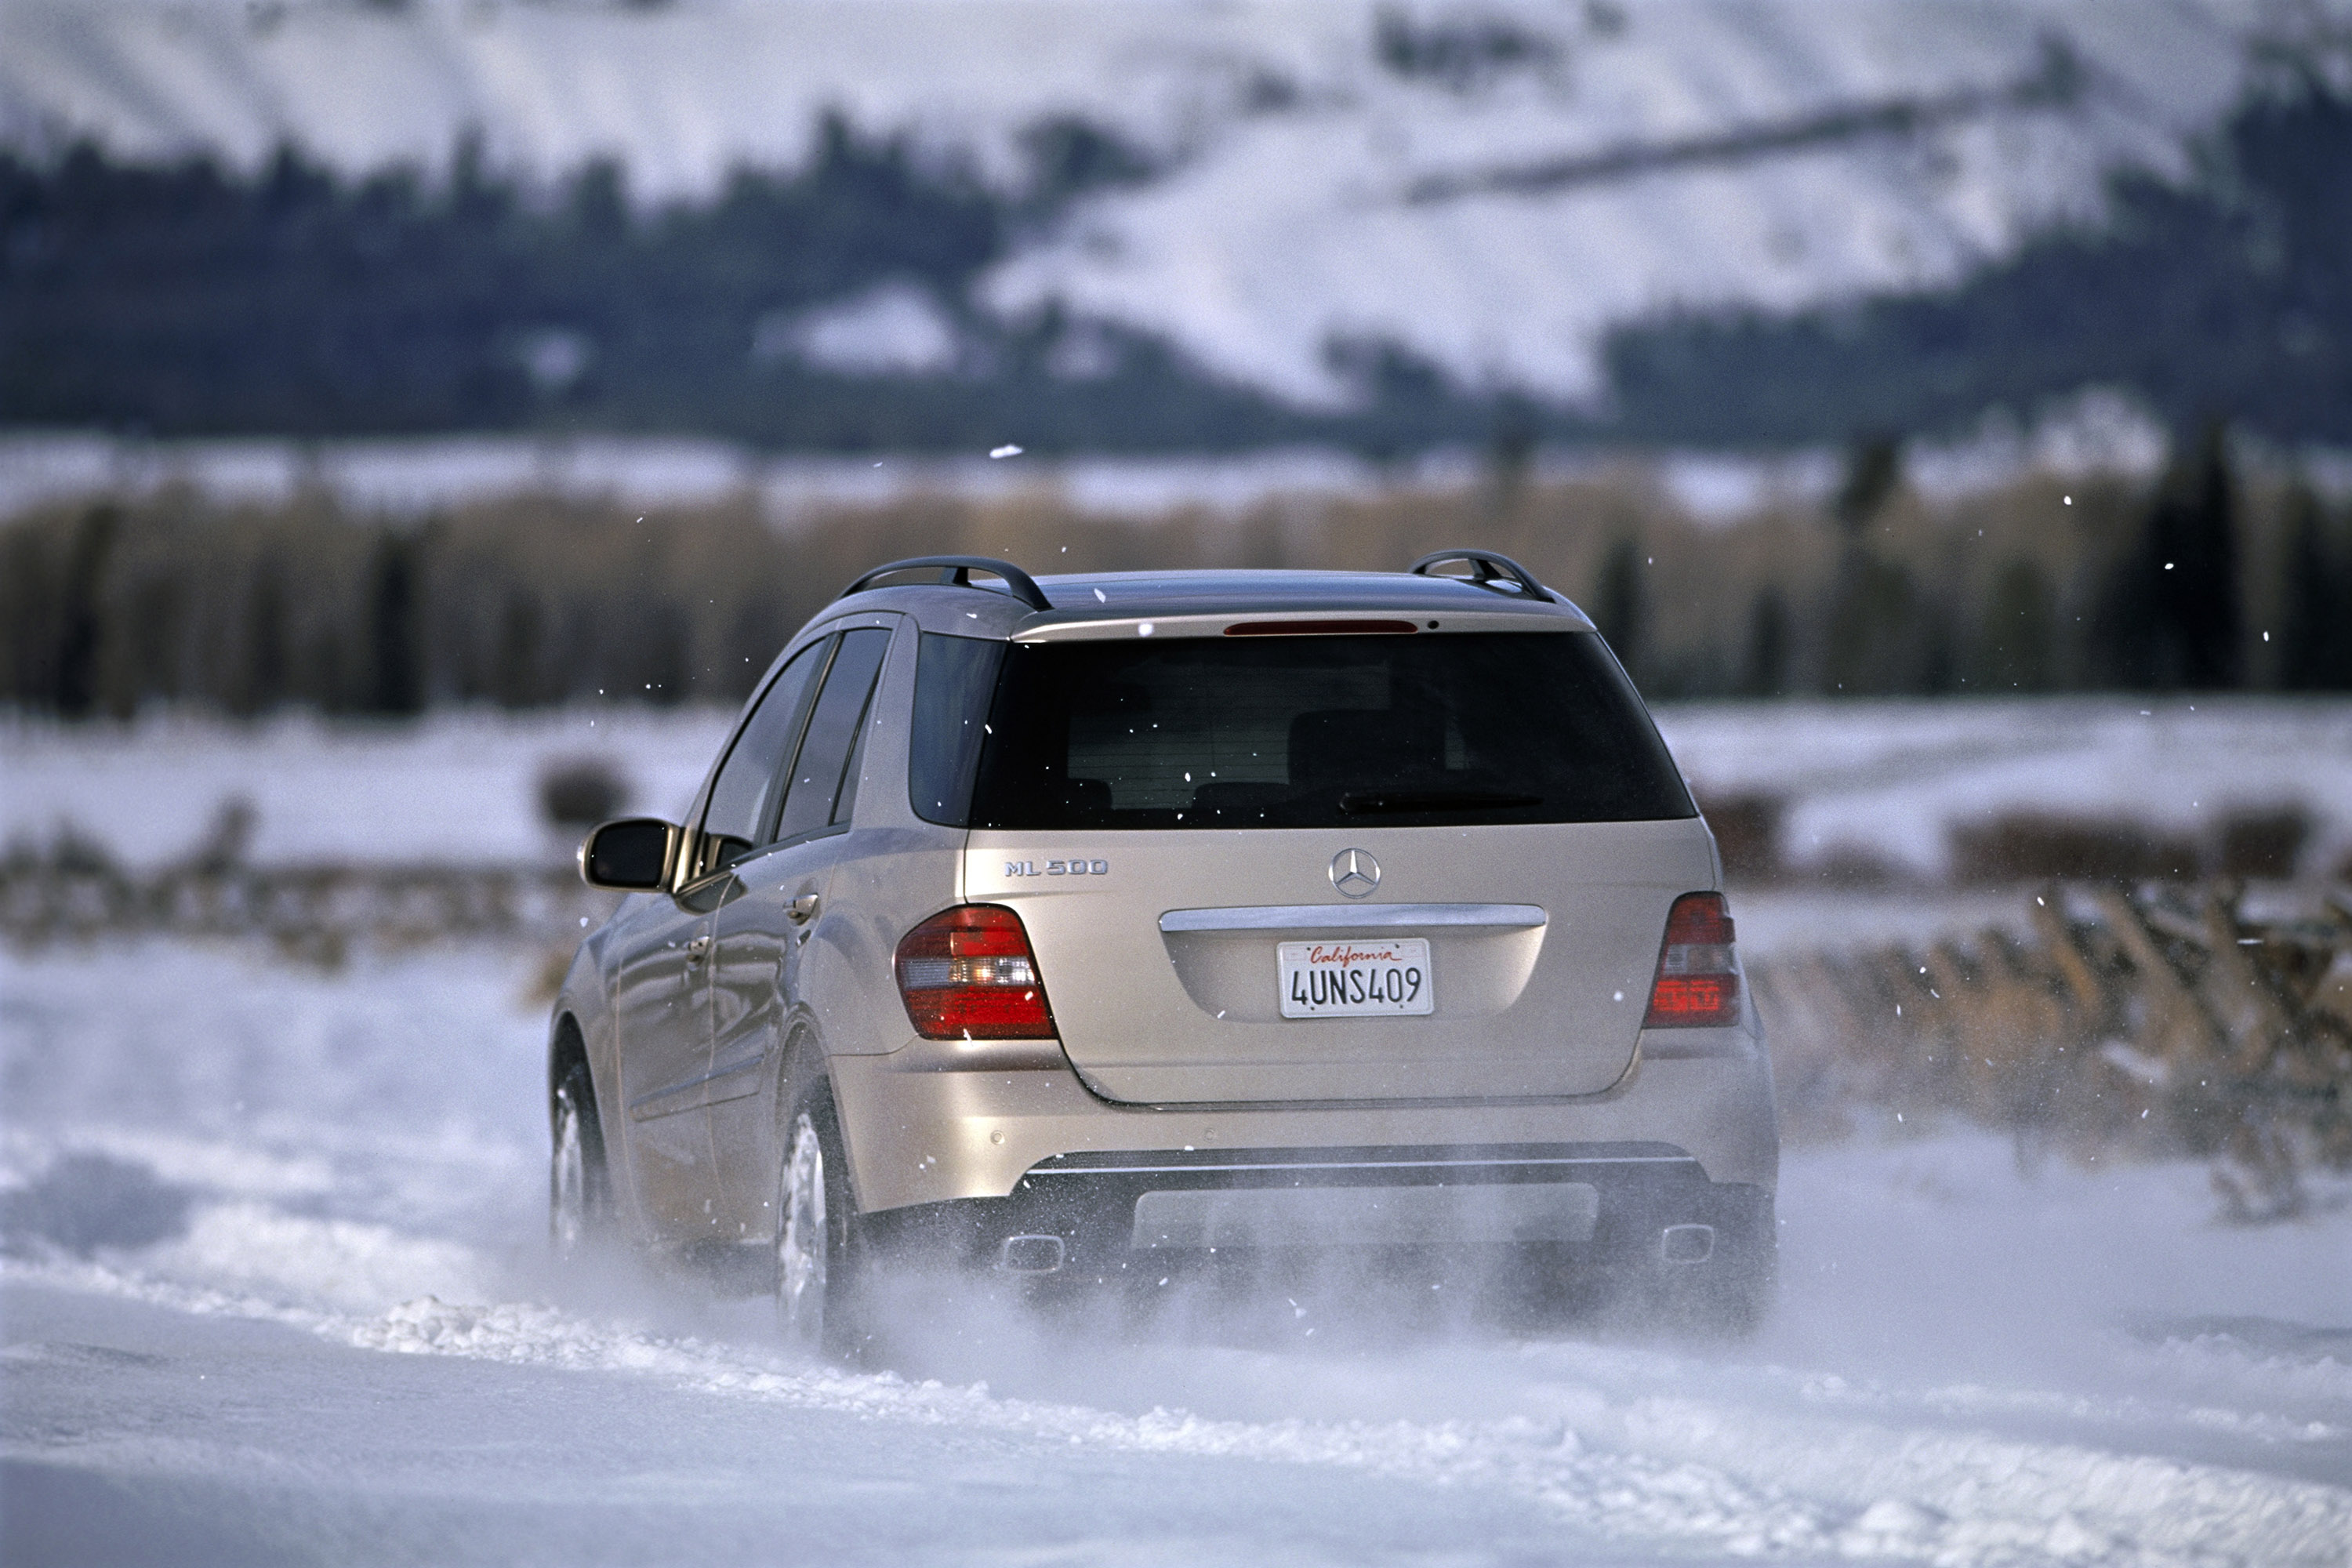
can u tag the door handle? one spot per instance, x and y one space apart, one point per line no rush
695 949
803 909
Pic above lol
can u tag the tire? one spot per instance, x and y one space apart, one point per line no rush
579 1186
819 1262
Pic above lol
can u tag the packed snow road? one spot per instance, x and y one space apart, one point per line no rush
228 1188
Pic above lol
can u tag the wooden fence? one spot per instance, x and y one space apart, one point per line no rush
315 913
2168 1018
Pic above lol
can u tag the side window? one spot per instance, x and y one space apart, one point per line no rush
954 678
743 798
832 727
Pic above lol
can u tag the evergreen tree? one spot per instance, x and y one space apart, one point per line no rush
1875 626
2317 639
258 683
2017 647
1873 471
1620 607
1765 671
82 612
395 675
1879 642
2188 565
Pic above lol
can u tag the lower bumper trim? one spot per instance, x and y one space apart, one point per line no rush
1223 1217
1238 1165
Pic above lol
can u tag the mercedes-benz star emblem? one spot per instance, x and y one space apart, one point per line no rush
1355 873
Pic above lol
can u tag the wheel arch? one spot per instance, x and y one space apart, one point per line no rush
803 1064
567 1044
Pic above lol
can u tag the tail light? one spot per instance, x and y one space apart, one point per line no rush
967 973
1698 973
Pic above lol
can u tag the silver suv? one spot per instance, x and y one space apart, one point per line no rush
1091 926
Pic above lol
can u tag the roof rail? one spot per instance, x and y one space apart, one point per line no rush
1487 570
955 571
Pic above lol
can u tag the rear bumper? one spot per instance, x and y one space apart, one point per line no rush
922 1129
1100 1217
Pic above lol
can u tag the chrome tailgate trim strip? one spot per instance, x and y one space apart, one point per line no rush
1354 917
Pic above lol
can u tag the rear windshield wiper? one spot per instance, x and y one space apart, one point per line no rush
1399 802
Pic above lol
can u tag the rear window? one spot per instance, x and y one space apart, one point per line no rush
1316 732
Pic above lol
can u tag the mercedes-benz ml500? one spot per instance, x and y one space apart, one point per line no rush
1086 927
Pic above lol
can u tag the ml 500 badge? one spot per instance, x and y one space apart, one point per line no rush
1058 869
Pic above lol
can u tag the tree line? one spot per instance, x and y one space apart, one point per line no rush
2209 578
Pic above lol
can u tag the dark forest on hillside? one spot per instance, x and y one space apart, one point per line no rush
188 300
2233 297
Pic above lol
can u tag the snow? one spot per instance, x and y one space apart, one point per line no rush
455 787
1306 196
407 478
2098 430
2099 433
272 1272
323 1190
1887 779
892 329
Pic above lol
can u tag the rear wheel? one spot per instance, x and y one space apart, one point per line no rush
817 1260
579 1192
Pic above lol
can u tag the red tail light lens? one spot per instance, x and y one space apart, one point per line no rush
1698 973
967 973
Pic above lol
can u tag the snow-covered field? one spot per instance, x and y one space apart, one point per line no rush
2100 432
410 476
273 1291
451 787
1887 780
228 1186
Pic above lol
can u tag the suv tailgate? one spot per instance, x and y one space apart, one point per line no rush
1161 958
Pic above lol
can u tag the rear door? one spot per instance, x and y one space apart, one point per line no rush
758 936
662 992
1336 868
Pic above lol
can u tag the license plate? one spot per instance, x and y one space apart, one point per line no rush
1389 976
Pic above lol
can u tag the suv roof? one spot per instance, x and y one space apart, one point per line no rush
974 610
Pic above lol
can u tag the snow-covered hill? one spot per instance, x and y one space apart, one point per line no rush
1488 185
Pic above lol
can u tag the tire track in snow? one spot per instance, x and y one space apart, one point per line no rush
1666 1471
1670 1471
398 1138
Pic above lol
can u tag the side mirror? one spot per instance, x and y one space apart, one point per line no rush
631 856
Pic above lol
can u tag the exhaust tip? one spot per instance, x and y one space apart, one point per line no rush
1686 1243
1030 1255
